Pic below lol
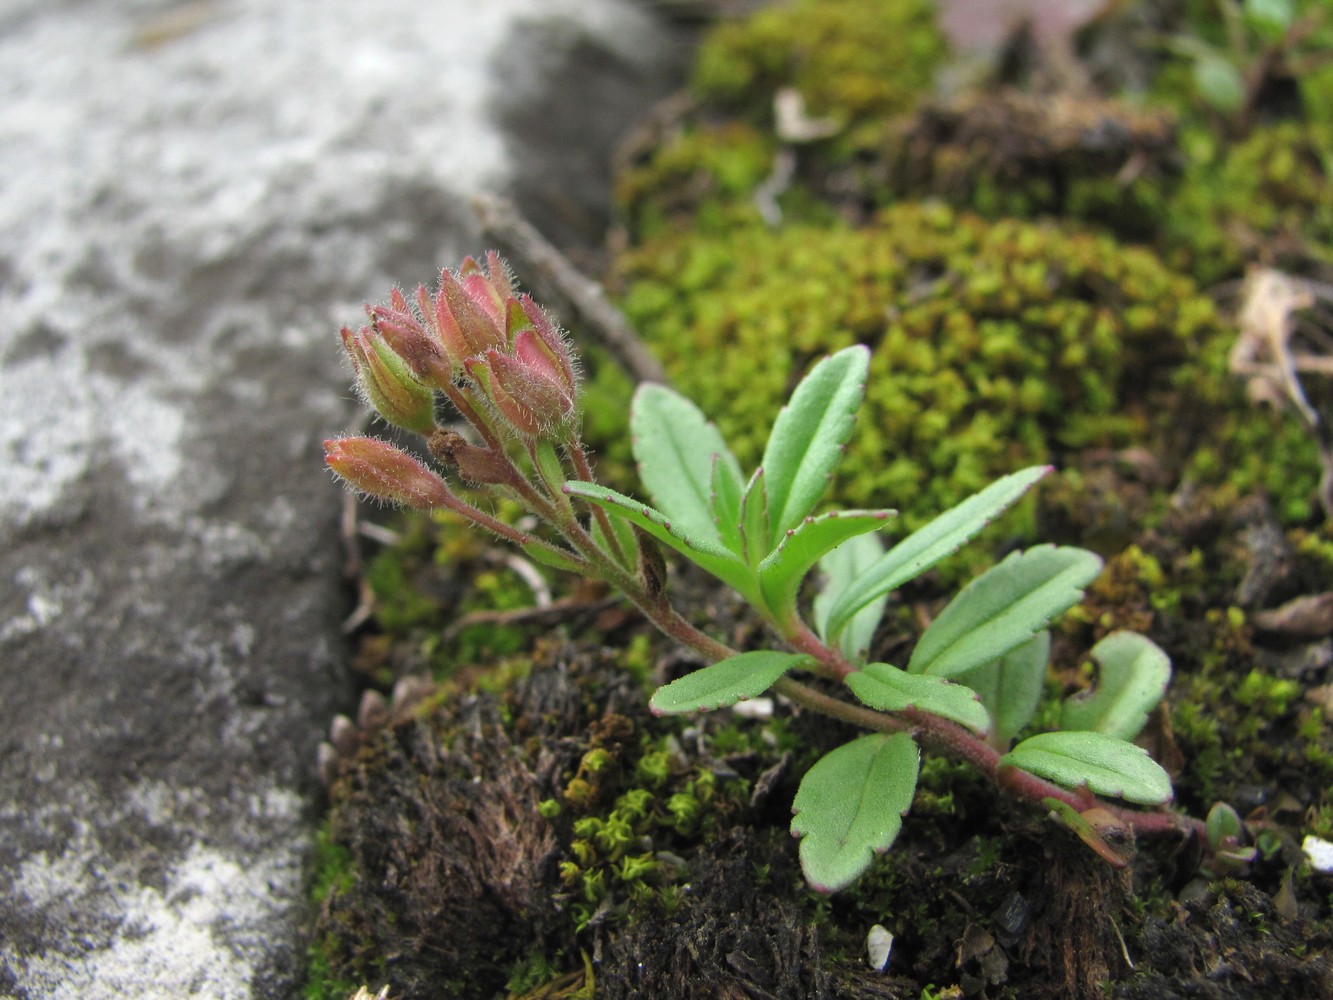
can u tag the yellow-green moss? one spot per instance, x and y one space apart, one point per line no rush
1267 199
996 345
857 60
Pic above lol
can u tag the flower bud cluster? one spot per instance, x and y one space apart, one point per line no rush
475 326
493 351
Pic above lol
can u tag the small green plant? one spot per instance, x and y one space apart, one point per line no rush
970 685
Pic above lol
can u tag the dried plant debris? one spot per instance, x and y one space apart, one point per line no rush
1285 333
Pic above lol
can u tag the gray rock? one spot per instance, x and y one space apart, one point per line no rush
193 197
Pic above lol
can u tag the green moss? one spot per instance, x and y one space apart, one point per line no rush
1268 198
333 873
858 60
996 345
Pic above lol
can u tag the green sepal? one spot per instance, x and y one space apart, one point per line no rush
674 445
783 569
709 555
850 806
1003 608
745 675
889 689
928 545
1132 676
806 442
1104 764
553 556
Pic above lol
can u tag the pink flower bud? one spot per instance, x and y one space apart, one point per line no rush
379 469
388 383
415 338
543 348
529 402
476 320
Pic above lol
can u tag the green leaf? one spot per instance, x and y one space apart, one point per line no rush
746 675
1132 676
782 570
805 445
1108 766
925 547
1011 686
850 806
1219 82
1003 608
674 445
553 556
889 689
623 531
709 555
726 488
1270 18
841 568
754 520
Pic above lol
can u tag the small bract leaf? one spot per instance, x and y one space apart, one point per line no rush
1106 765
889 689
805 445
556 558
1003 608
1011 686
737 678
841 568
674 445
1132 676
783 569
850 806
709 555
755 544
925 547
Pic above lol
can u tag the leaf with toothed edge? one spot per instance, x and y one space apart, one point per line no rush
783 569
925 547
1132 678
1106 765
850 806
726 566
675 447
806 443
1003 608
745 675
885 687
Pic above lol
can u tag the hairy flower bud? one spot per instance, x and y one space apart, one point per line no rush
383 471
387 382
416 337
530 402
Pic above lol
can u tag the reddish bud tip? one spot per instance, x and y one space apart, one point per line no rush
380 470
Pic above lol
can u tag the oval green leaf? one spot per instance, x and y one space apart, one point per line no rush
746 675
889 689
1011 686
925 547
850 807
1003 608
1104 764
1132 676
674 445
805 445
841 568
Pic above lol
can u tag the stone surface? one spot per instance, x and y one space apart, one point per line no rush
193 196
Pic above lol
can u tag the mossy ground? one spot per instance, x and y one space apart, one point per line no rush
1027 298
